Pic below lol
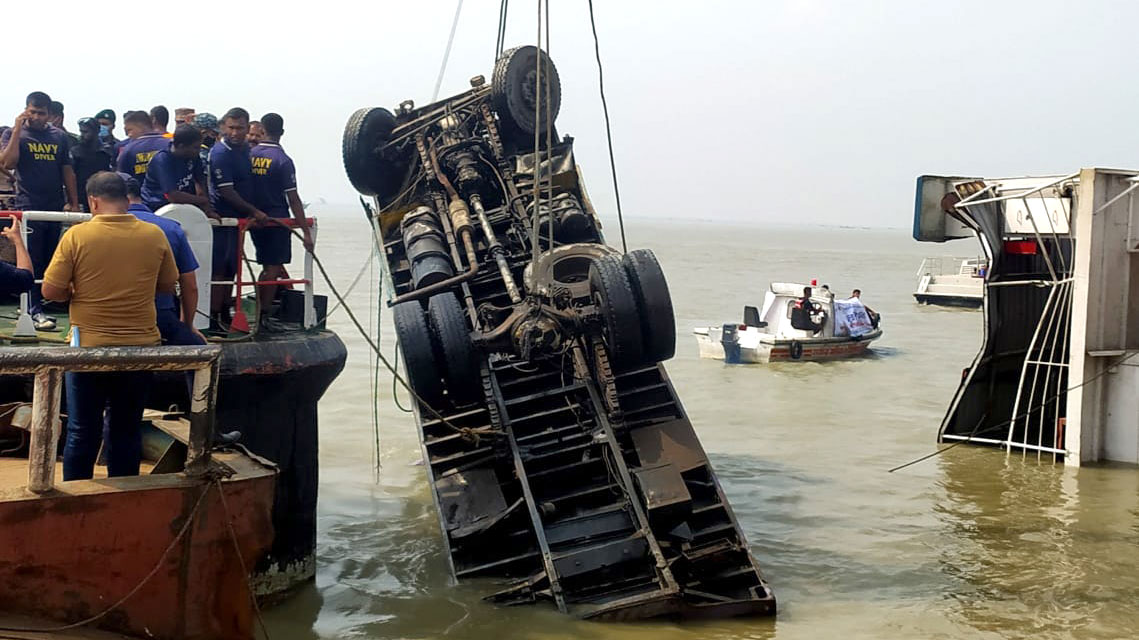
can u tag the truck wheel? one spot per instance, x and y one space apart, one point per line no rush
418 354
514 89
658 324
367 131
455 352
614 297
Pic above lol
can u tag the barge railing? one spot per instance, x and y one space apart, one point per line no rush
48 365
205 263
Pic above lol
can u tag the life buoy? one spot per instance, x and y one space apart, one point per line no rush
796 349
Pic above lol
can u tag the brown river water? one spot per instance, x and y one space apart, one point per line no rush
970 544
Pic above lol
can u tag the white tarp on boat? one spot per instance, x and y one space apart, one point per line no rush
850 318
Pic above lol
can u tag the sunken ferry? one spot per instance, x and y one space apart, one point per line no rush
222 519
559 456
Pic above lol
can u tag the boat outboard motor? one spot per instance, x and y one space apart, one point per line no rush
731 341
426 248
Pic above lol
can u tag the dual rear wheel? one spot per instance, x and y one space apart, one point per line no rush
631 293
441 363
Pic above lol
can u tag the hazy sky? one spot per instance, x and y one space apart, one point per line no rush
779 111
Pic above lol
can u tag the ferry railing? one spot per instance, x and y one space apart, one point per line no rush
48 365
24 323
240 322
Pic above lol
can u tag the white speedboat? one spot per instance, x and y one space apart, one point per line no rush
953 282
783 331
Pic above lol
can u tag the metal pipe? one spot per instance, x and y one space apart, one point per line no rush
30 360
496 249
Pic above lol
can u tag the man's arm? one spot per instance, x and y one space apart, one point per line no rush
57 277
70 188
188 283
19 278
234 199
10 156
168 271
298 209
181 197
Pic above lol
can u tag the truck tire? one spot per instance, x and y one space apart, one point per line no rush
514 88
658 323
367 131
611 292
455 351
418 354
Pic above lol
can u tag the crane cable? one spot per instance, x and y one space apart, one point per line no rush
608 130
447 51
500 44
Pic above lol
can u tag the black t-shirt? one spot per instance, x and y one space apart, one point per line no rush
88 160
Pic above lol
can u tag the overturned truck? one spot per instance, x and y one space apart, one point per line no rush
558 453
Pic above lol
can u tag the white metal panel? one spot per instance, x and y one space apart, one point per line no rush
200 234
1121 437
1050 215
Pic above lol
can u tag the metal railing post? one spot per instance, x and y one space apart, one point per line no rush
202 419
45 430
310 310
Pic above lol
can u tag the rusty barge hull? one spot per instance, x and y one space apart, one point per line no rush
269 389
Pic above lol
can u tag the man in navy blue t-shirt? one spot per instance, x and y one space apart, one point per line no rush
40 156
136 153
275 193
176 326
231 194
176 175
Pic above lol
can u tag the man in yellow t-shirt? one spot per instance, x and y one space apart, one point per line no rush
110 268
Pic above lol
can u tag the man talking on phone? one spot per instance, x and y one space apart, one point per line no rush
39 155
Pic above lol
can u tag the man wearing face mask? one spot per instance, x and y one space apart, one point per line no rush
106 120
207 123
39 155
88 157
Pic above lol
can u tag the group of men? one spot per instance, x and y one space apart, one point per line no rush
120 271
232 168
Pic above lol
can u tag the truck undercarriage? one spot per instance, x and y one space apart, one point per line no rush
558 452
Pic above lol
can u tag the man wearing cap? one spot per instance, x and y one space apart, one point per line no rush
176 325
88 157
109 307
207 123
176 175
143 144
231 194
183 115
40 157
106 120
275 193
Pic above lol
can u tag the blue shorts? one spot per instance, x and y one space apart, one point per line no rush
225 253
273 243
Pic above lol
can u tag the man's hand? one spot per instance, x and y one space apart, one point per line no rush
259 219
68 207
198 333
21 119
308 242
13 233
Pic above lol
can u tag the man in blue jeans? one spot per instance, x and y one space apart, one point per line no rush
177 328
110 267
